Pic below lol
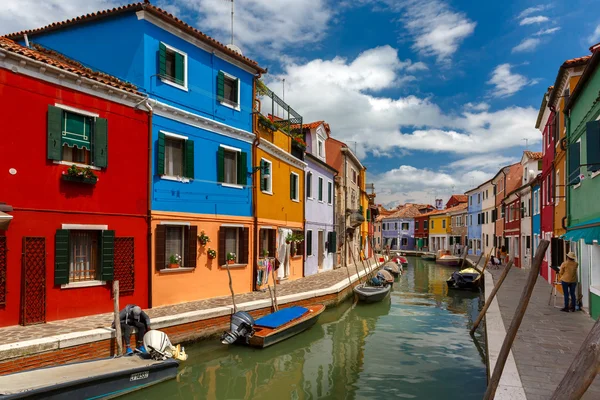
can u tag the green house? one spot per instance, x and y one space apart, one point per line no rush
582 113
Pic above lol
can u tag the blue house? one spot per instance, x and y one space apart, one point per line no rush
201 94
536 222
474 220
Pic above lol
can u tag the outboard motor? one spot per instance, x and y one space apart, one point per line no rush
376 281
159 346
242 327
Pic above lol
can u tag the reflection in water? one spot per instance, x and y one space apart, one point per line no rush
415 344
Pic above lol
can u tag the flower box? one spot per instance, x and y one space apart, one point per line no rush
173 265
80 179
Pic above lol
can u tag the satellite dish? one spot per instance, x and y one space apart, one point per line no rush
233 47
532 175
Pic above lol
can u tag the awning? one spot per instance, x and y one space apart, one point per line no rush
5 220
588 231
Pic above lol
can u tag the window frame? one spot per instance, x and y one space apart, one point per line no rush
329 192
354 175
308 188
269 179
320 148
182 231
297 188
320 187
166 80
309 245
225 148
228 103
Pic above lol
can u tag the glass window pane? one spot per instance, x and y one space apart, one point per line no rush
231 90
170 64
174 243
84 255
230 170
231 242
174 156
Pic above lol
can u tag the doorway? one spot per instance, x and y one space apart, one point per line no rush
321 249
33 304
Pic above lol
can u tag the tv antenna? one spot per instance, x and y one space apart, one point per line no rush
526 143
231 20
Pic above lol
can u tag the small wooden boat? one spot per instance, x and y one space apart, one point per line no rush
111 377
401 260
371 294
468 278
385 276
449 261
272 328
428 257
392 268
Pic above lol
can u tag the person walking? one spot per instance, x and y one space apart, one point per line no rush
131 317
567 276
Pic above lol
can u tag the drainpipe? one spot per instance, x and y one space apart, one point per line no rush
255 145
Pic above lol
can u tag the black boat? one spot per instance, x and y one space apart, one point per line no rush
105 378
468 278
371 294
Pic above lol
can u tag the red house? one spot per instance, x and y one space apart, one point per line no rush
512 226
545 123
74 176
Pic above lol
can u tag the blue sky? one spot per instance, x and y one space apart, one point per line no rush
436 94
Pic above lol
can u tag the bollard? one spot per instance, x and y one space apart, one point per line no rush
117 319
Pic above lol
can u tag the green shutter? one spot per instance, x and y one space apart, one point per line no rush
309 243
162 59
593 145
54 133
220 86
179 70
61 257
262 173
160 152
329 189
189 159
573 158
320 189
221 165
107 255
368 214
101 142
242 168
292 187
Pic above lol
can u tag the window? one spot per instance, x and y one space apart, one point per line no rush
404 242
487 240
266 176
267 242
175 156
353 175
294 186
395 226
320 189
416 225
557 187
77 136
574 161
309 185
426 225
83 255
478 198
320 148
179 241
487 195
228 90
432 224
331 244
593 146
309 243
528 243
233 240
405 226
172 66
329 192
231 166
470 200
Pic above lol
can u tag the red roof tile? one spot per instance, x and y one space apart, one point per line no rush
145 6
58 60
534 155
573 62
313 125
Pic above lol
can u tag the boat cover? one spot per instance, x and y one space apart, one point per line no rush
281 317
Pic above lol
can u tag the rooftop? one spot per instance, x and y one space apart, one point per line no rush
534 155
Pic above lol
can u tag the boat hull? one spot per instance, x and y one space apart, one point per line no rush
267 337
371 294
462 286
449 262
65 385
428 257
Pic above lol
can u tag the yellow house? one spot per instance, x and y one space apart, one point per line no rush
364 208
279 200
439 230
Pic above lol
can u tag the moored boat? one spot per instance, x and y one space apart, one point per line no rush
371 294
392 268
468 278
385 276
449 261
401 260
272 328
428 257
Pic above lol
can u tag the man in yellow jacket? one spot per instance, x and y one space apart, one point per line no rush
568 278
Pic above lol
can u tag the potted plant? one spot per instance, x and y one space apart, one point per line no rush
289 238
230 258
174 261
212 254
77 174
265 253
203 238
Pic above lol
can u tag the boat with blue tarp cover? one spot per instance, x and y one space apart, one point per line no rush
272 328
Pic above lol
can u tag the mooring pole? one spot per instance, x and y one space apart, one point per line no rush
462 264
231 289
477 263
276 306
583 369
516 321
355 264
487 260
118 336
489 300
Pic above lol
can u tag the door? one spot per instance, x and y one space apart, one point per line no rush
321 249
33 304
589 256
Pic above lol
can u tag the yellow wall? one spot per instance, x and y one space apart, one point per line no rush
437 224
208 279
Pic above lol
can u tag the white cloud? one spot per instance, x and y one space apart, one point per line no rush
507 83
531 10
344 93
437 30
528 44
17 15
490 162
263 25
548 31
534 20
595 37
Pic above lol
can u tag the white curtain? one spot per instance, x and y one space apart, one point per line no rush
283 253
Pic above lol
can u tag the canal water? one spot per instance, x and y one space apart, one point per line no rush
414 345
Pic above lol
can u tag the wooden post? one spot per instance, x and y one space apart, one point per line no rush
275 289
231 289
487 260
489 300
583 369
516 321
477 263
118 335
272 300
355 265
462 264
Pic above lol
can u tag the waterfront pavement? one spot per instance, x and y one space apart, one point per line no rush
14 334
547 340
